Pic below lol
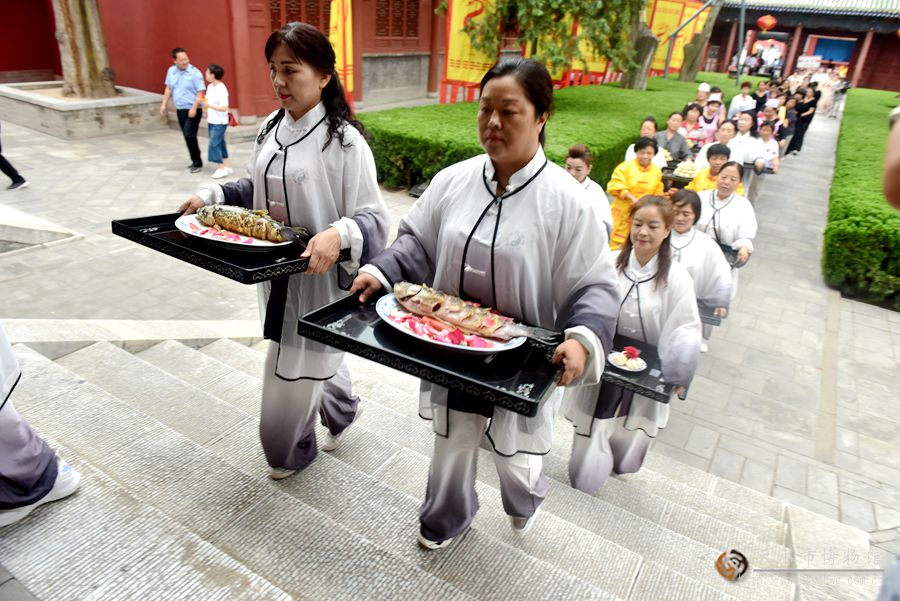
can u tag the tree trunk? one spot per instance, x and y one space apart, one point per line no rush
82 50
693 50
645 47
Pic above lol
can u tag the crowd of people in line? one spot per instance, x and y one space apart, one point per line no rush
507 229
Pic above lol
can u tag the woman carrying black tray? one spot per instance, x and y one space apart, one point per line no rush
512 231
614 427
310 167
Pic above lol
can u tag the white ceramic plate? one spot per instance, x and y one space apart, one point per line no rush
622 367
389 310
190 224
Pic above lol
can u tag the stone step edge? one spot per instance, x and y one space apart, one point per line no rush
710 489
66 452
286 494
55 338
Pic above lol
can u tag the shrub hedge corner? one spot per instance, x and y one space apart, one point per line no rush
861 253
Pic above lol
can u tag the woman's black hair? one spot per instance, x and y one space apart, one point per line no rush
718 150
309 45
673 113
534 79
691 106
728 122
753 132
769 124
216 70
651 119
581 151
664 255
689 198
740 168
643 143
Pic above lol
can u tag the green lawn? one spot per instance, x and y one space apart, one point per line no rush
412 144
861 255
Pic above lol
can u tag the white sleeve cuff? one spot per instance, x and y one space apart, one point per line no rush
596 359
352 238
372 270
737 244
211 194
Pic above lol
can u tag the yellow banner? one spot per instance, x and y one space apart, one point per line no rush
664 18
340 34
465 64
595 63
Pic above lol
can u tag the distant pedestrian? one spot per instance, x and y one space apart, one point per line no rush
216 102
805 111
673 141
184 84
31 474
17 180
578 163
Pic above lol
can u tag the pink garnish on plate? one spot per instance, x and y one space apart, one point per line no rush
477 342
630 352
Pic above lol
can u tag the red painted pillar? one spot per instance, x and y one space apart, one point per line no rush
863 54
792 53
240 34
434 49
729 48
357 21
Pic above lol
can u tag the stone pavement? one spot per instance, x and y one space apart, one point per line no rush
793 399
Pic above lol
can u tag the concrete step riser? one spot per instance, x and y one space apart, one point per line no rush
131 369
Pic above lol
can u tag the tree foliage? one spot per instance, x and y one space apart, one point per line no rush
545 27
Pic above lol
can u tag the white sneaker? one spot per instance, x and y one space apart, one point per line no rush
521 526
704 347
432 545
331 441
67 481
220 173
280 473
229 170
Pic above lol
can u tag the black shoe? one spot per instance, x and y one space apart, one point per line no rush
196 168
17 185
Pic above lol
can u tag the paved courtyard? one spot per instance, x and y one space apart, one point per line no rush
796 397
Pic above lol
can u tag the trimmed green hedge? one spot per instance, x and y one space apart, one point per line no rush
412 144
861 254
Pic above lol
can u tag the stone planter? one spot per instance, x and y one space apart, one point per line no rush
41 106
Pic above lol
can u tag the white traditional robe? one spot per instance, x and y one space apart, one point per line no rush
706 264
331 187
665 317
730 222
597 194
551 268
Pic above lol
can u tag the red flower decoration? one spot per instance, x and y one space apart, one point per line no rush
631 352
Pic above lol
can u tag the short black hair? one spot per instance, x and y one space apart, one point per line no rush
176 50
718 150
736 165
672 114
216 70
534 79
643 143
652 120
689 198
769 124
746 84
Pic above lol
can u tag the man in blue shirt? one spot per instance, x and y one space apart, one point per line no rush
184 84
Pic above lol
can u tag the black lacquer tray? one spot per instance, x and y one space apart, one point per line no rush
646 383
517 379
159 233
707 316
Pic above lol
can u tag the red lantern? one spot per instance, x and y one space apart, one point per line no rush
766 22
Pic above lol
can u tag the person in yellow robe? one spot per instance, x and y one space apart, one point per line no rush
631 181
705 179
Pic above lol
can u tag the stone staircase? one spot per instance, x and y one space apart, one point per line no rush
176 502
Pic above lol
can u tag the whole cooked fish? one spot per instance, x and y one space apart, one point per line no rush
257 224
422 300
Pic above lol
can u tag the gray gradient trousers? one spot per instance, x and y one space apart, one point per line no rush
287 424
450 499
610 448
27 466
